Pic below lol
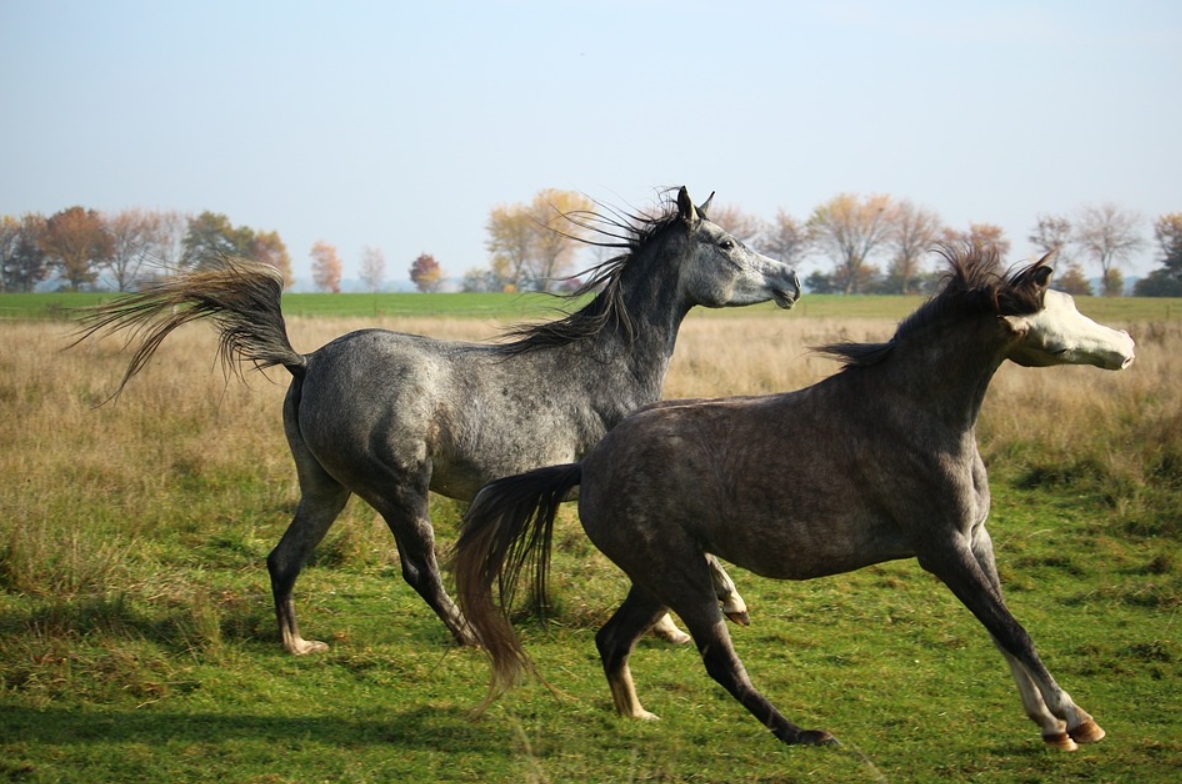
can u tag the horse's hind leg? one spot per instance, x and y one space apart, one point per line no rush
706 624
322 499
678 578
617 639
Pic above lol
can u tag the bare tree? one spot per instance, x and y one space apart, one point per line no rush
913 232
136 237
373 268
1052 233
1109 236
787 239
748 229
851 229
170 250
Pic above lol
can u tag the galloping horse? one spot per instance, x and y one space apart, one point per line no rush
391 416
877 462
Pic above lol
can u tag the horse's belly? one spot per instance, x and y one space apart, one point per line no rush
808 553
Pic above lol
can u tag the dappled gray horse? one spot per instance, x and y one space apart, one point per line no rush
876 462
390 416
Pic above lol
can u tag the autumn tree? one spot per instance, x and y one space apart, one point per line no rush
988 236
269 248
850 229
912 233
22 260
1165 281
326 267
510 244
534 244
426 273
76 242
373 268
1109 236
211 238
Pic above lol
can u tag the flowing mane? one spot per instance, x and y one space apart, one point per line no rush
974 284
629 232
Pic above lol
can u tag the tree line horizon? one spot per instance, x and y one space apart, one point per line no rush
872 244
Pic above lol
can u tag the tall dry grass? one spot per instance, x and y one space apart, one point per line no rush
92 487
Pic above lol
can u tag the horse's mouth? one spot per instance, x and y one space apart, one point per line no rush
784 300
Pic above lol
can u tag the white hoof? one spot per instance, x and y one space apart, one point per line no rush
303 647
668 631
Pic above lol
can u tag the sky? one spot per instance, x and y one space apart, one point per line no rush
401 125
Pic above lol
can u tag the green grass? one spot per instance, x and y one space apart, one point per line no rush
528 305
174 672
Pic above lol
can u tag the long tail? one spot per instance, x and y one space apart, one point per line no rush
241 297
510 524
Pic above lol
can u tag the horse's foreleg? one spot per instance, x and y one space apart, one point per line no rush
733 606
314 516
973 578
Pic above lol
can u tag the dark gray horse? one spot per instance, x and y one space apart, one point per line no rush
877 462
390 416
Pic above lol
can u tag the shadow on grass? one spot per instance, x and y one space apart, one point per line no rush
420 729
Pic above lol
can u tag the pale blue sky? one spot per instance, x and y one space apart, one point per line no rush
400 125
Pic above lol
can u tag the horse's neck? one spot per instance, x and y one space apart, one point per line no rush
946 382
626 362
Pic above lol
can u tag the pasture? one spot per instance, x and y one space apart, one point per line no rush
137 638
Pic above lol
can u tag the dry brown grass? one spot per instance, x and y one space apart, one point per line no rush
83 481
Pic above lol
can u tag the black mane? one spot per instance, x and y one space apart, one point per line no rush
973 285
629 232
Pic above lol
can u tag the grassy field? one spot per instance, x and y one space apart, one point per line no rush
138 643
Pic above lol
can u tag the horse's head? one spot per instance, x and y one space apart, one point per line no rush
1058 334
720 271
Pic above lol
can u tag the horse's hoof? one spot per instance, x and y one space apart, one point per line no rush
1088 732
817 738
741 618
301 647
1060 741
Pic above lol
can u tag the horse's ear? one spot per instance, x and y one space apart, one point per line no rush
704 206
685 207
1043 272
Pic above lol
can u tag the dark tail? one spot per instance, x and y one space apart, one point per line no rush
242 297
509 524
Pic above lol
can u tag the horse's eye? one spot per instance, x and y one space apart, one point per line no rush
727 244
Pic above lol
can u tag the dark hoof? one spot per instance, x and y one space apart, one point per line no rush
817 738
741 618
1088 732
1060 741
